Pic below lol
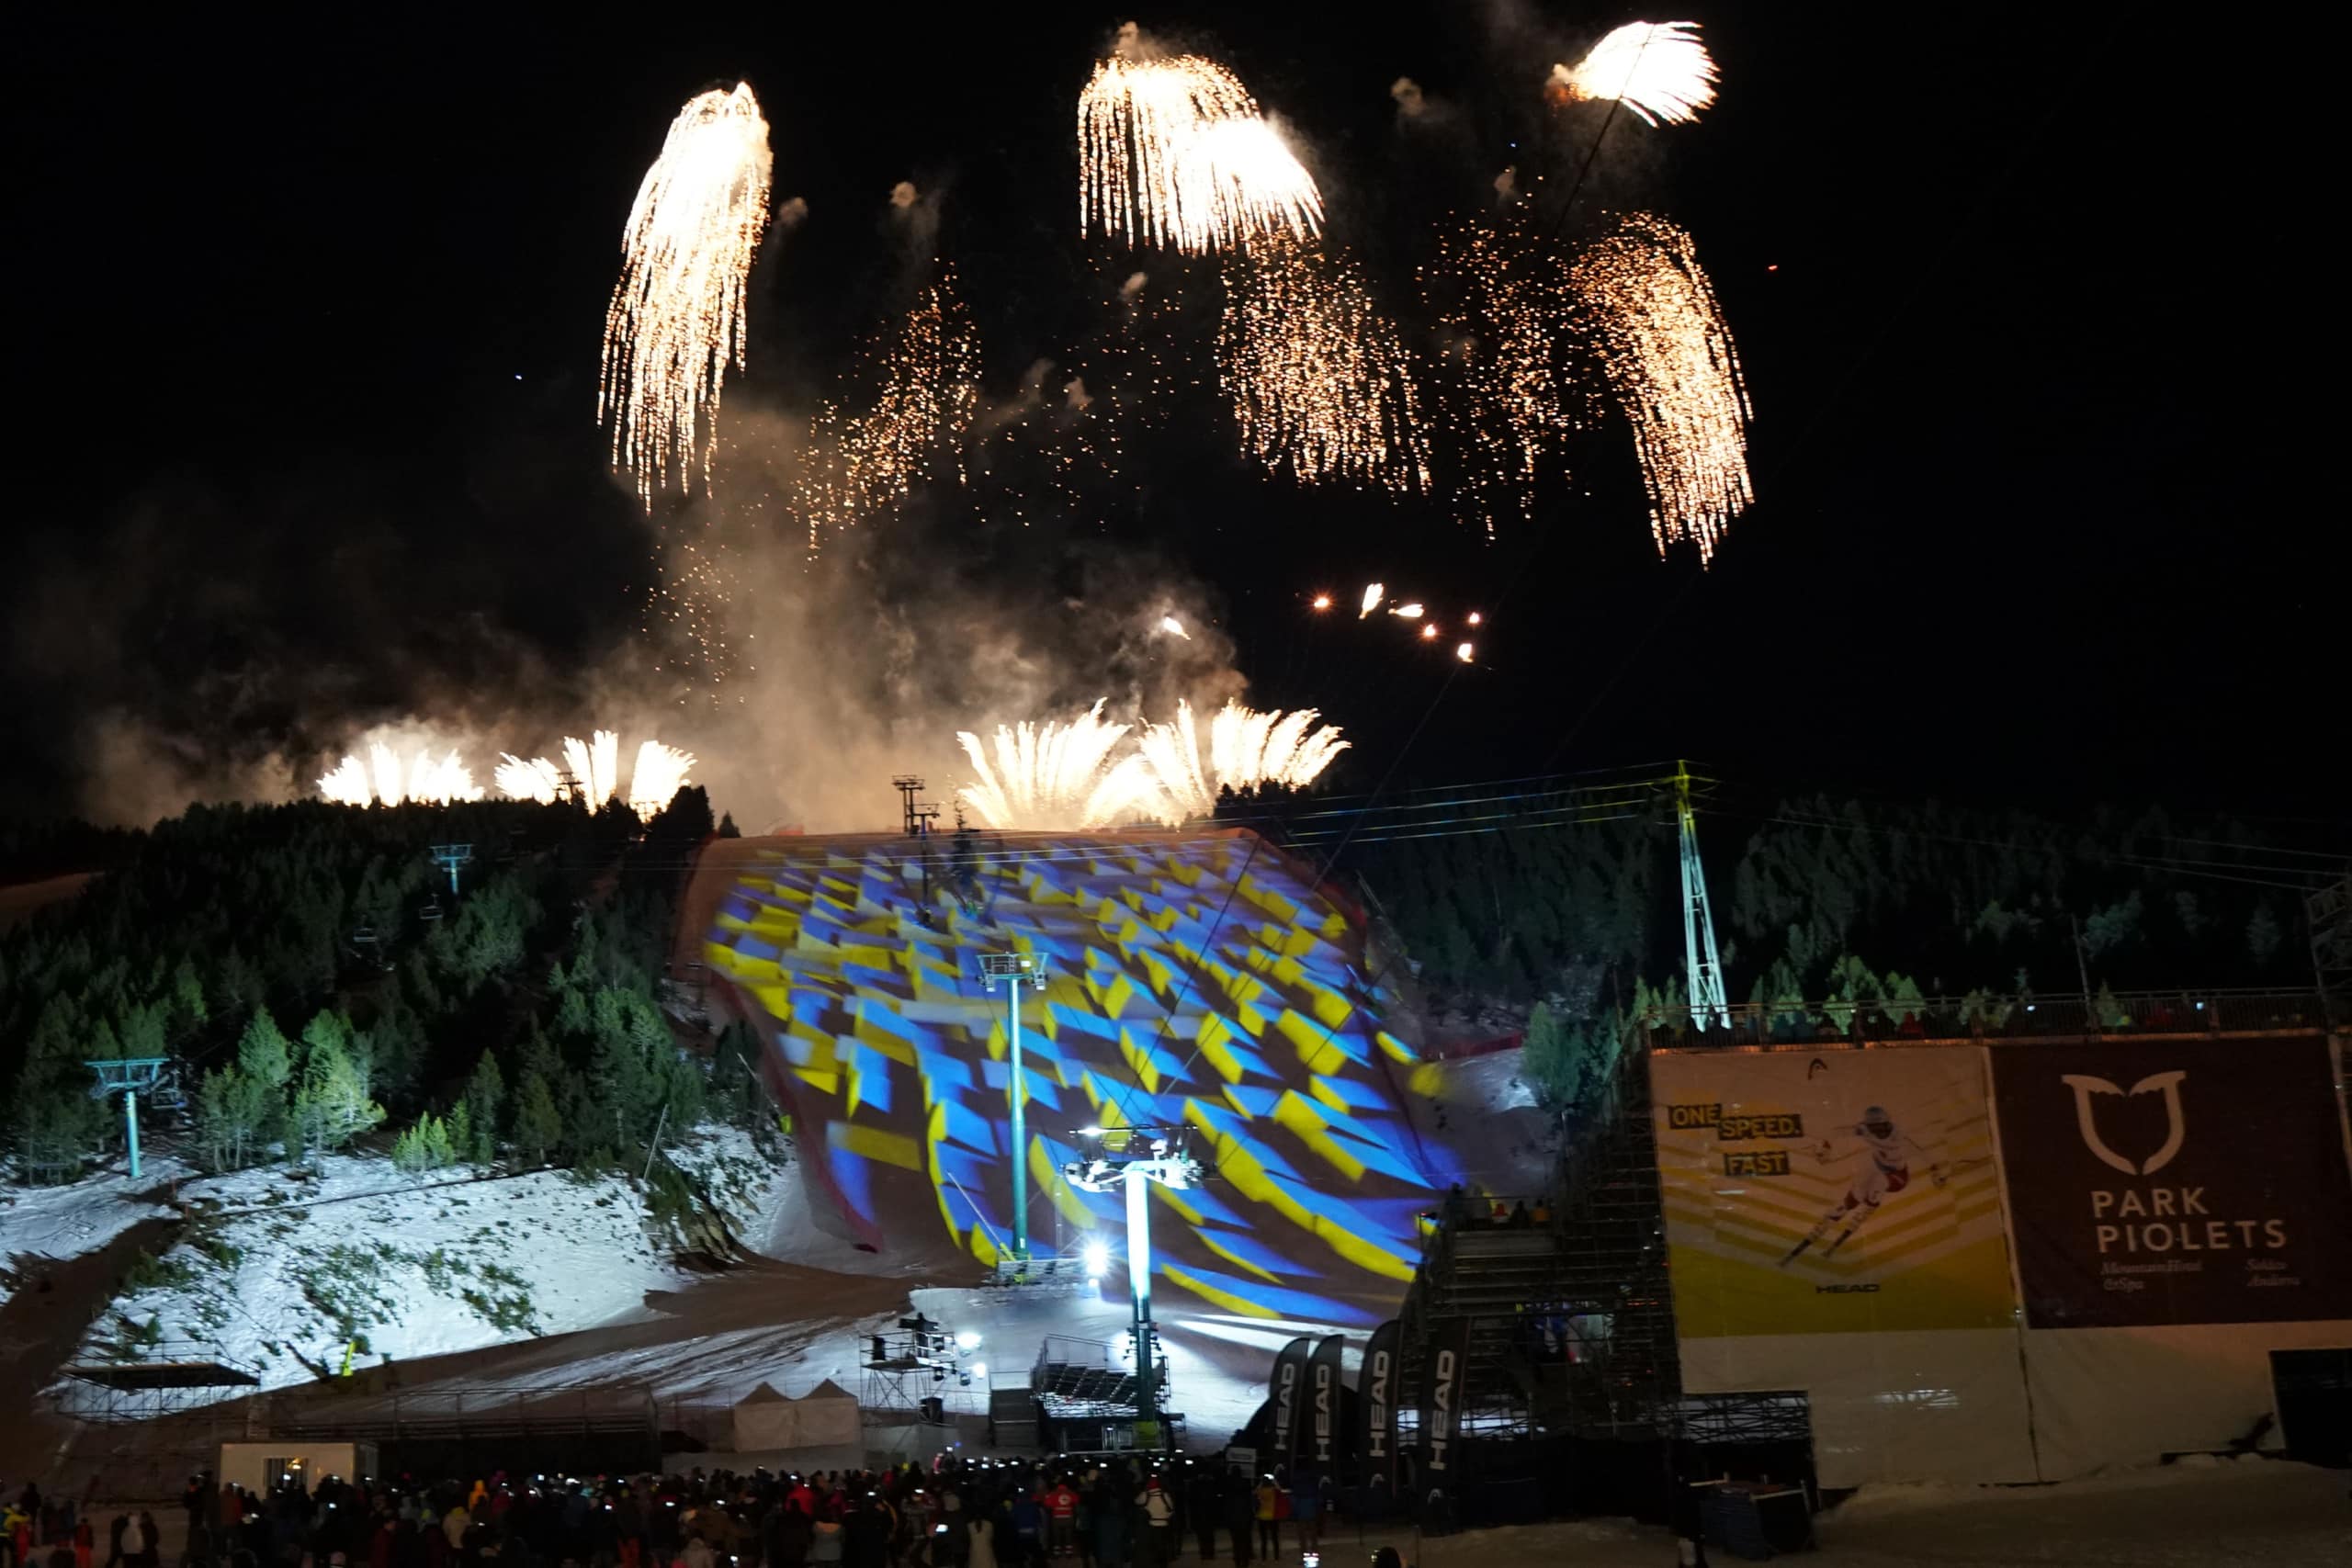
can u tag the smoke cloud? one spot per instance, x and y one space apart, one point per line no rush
865 662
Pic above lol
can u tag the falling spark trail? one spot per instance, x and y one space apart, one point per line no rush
1320 383
1174 627
1372 594
676 319
861 464
1658 70
1668 357
1505 392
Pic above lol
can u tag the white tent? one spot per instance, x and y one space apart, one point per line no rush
827 1416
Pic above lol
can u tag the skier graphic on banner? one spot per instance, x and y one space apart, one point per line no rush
1882 1151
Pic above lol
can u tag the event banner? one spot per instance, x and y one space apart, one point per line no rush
1833 1191
2176 1181
1442 1391
1376 1405
1283 1392
1318 1424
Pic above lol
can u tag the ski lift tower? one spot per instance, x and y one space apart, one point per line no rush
449 857
1012 971
1128 1159
127 1075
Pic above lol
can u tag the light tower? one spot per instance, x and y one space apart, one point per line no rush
1012 971
1128 1159
1708 1009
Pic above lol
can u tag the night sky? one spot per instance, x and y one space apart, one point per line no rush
309 312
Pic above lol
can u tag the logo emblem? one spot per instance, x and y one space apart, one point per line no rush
2086 1086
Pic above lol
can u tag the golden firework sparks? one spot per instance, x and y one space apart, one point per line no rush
1658 70
1466 652
1504 390
1321 384
1173 152
1372 593
929 370
1652 318
676 317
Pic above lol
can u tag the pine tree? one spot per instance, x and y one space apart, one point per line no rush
262 1054
538 1126
425 1146
190 1012
1548 1059
232 1115
484 1092
333 1107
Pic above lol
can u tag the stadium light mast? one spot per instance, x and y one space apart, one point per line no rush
1708 1008
1129 1160
1012 971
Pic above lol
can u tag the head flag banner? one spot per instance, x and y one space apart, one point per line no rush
1284 1393
1318 1423
1442 1391
1376 1407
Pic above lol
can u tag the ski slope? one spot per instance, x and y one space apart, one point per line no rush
1194 978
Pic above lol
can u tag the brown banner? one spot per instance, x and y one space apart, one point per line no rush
2176 1181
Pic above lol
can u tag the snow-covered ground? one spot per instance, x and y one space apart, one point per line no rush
55 1222
284 1272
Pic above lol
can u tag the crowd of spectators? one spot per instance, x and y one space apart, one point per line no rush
955 1513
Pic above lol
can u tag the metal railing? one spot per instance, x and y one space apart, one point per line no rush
1978 1015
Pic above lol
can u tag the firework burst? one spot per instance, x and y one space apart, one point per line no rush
1057 777
380 778
592 773
676 317
535 780
1321 384
1247 750
1658 70
1651 317
1173 152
